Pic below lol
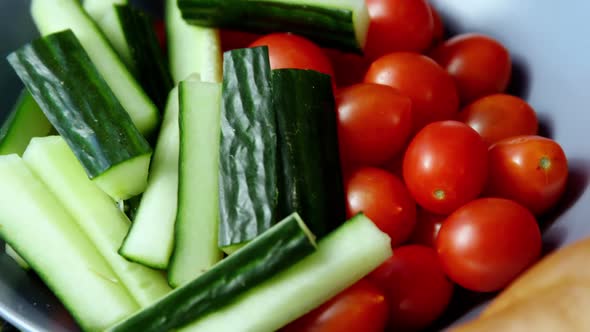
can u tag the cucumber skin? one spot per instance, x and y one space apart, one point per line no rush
68 88
311 178
281 246
325 26
150 67
248 178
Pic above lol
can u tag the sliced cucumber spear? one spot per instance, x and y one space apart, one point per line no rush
38 227
151 238
277 249
58 15
343 258
95 212
80 105
191 49
197 218
334 23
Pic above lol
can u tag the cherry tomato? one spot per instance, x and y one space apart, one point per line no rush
160 29
398 25
233 39
416 287
445 166
287 50
427 228
349 68
487 243
479 64
431 89
500 116
438 32
374 123
384 199
360 308
531 170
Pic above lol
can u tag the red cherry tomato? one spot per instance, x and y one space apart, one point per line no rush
374 123
487 243
531 170
234 39
445 166
384 199
479 64
500 116
427 228
360 308
431 89
160 29
398 25
416 287
287 50
438 32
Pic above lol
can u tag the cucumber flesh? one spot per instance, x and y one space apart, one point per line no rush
191 49
197 218
151 238
16 257
95 212
24 122
97 9
343 257
59 15
286 243
110 25
37 226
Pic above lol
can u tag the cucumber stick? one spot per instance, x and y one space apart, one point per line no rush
16 257
58 15
97 9
191 49
286 243
337 23
151 238
95 212
24 122
131 33
248 162
81 106
49 239
311 180
197 218
343 257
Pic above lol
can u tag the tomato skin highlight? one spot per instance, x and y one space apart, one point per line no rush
417 289
487 243
531 170
500 116
479 64
384 199
431 89
398 25
427 227
374 123
360 308
445 166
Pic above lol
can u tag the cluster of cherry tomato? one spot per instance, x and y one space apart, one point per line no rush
437 155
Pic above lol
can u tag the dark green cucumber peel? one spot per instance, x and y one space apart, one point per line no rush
78 102
281 246
331 27
150 65
311 178
25 121
248 191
